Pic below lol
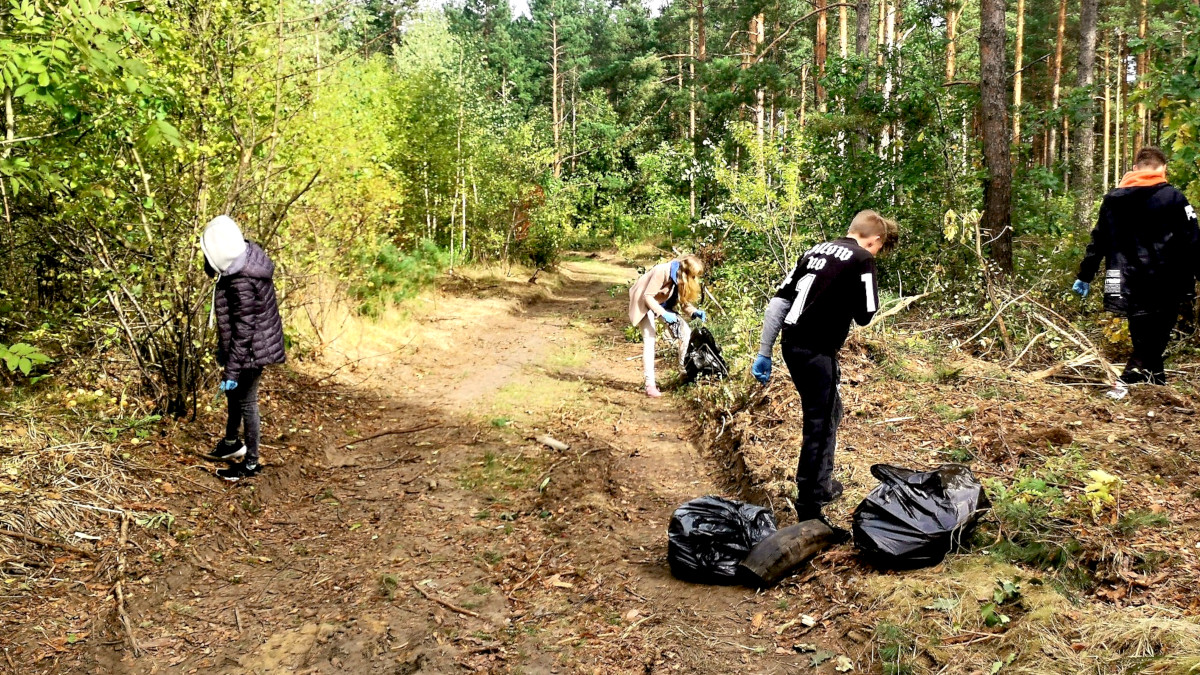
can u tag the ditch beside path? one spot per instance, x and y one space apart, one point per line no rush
469 545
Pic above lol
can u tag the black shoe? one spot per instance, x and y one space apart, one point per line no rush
840 535
239 471
836 490
228 451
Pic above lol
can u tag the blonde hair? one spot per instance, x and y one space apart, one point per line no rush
691 268
869 223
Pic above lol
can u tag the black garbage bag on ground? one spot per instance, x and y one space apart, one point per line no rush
703 357
709 536
914 518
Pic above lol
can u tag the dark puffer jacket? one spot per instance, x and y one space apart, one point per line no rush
249 328
1149 240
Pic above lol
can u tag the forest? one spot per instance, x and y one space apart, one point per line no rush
414 166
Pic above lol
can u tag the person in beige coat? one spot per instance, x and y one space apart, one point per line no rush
656 295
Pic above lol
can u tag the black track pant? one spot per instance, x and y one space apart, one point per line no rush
816 378
243 411
1149 334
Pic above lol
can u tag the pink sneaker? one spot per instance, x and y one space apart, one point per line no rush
652 391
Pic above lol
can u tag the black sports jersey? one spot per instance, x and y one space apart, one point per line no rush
832 284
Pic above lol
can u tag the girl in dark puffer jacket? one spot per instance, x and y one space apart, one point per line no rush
249 335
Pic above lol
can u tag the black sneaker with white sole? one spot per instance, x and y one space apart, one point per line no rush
228 451
239 471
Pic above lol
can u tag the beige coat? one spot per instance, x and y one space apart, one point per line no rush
650 291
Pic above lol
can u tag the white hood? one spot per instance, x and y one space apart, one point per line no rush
222 243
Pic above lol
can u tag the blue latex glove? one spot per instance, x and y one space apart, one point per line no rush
761 370
699 314
1082 288
669 317
227 385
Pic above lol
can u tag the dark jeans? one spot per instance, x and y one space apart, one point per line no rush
816 378
243 411
1149 334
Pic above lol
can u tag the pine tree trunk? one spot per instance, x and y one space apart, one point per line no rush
554 90
757 37
821 50
1143 63
843 33
692 115
1018 77
862 28
1056 89
952 13
993 84
883 11
1085 133
1107 114
1122 95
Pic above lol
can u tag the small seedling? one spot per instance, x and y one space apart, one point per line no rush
388 583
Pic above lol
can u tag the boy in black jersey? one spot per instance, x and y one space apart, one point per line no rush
833 284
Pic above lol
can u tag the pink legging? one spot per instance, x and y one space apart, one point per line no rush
648 338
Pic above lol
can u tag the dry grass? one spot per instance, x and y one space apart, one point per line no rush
1122 600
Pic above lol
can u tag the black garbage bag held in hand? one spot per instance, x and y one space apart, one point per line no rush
913 519
709 536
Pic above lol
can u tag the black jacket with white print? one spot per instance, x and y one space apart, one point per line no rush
833 284
1149 239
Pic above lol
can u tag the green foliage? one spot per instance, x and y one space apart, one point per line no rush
1177 97
394 276
1005 592
22 357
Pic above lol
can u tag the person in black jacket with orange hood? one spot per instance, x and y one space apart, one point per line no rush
249 335
1148 236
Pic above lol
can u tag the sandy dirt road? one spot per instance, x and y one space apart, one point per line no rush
467 545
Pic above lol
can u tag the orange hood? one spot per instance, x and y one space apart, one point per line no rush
1144 178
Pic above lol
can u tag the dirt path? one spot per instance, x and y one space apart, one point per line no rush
469 545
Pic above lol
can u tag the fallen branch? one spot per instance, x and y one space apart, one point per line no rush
1027 348
634 625
46 542
1057 368
895 309
390 432
119 587
1112 372
448 605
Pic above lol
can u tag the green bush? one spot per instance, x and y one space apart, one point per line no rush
392 275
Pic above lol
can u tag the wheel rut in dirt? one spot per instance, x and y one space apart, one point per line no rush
461 542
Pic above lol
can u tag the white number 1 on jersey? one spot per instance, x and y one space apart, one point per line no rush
868 281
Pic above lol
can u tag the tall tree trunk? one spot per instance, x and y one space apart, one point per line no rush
1122 95
883 11
1107 113
692 115
862 28
952 13
1143 68
862 47
803 95
554 90
843 33
757 37
1085 133
701 40
1056 89
993 86
1018 77
821 50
